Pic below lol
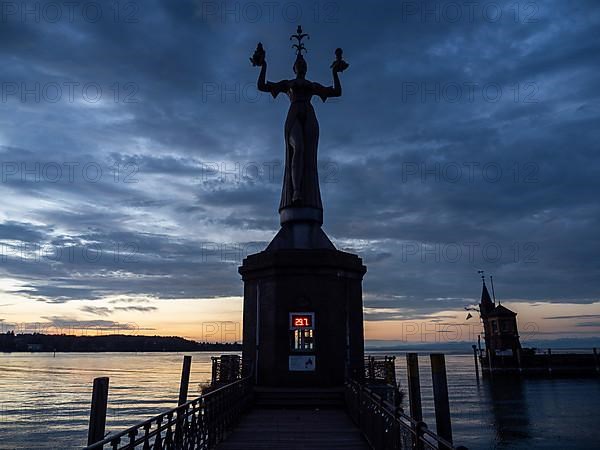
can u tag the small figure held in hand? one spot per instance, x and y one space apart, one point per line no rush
258 58
339 65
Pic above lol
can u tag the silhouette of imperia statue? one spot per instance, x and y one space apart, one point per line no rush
301 180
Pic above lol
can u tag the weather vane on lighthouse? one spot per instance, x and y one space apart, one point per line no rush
300 196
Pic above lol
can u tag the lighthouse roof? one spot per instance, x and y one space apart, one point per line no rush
501 310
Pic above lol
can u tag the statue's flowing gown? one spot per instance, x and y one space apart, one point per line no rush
301 135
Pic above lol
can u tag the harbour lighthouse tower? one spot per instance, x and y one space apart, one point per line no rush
499 324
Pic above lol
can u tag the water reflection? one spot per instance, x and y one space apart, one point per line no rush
512 413
44 401
509 408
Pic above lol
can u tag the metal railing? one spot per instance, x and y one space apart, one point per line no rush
226 369
380 369
198 424
385 426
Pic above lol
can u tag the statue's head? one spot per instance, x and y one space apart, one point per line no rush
300 67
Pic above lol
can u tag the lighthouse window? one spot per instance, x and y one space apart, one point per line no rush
302 331
303 340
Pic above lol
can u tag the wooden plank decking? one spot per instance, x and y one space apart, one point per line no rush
295 429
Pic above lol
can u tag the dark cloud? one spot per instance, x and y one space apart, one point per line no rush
96 310
377 314
65 323
136 308
23 232
579 316
426 186
104 311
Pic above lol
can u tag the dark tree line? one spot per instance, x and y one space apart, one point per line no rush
11 342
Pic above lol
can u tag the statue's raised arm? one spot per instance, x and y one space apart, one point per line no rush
259 59
339 65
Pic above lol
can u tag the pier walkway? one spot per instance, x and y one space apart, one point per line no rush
238 415
275 429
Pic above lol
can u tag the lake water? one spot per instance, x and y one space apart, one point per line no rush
44 400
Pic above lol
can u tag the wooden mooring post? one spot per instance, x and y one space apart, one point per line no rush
440 397
414 386
596 360
98 410
185 379
414 396
475 359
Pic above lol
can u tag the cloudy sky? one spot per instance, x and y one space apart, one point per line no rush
139 164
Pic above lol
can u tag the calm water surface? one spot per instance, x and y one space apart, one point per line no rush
44 400
513 413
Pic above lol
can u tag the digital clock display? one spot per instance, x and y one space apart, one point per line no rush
301 320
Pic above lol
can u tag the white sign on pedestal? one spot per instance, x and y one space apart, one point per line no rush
302 363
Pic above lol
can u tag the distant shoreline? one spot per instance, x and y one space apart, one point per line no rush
112 352
122 343
116 343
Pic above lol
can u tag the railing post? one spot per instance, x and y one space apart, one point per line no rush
214 371
419 434
98 410
380 427
185 380
440 397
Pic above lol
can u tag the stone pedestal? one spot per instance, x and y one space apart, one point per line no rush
324 282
